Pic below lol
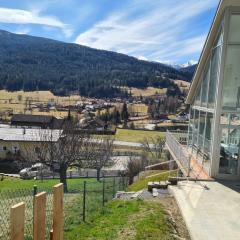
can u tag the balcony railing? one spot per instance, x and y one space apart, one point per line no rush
175 142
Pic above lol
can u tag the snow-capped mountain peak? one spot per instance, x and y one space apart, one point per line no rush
184 65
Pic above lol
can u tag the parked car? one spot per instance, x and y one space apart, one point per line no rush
35 170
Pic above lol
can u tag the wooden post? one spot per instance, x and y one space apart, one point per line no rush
51 234
58 218
39 216
17 219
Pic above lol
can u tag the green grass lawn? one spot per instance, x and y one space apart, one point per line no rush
13 191
125 220
10 183
143 181
129 135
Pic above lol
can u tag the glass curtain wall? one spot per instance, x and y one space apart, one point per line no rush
230 118
202 110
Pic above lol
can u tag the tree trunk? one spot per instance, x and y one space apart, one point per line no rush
63 176
131 178
98 173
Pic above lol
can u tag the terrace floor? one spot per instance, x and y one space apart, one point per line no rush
210 209
198 170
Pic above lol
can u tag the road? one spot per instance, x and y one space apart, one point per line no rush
130 144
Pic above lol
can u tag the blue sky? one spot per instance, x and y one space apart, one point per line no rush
157 30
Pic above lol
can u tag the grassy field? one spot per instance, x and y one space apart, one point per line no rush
136 135
10 183
143 181
150 91
13 191
42 96
17 101
122 220
183 85
137 107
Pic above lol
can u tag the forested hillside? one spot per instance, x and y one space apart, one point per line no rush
33 63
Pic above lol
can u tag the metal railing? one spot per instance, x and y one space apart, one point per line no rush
174 142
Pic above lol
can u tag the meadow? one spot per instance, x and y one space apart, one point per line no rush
13 191
18 102
147 92
129 135
125 219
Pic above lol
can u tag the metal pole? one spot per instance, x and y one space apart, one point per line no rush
84 200
103 192
114 187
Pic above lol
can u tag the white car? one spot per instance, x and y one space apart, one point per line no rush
35 170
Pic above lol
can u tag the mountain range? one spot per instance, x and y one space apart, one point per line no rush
34 63
184 65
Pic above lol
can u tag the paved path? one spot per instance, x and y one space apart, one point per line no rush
210 214
130 144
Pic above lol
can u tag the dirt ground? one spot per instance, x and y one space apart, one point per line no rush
175 215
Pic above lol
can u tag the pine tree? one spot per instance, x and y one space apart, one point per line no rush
124 113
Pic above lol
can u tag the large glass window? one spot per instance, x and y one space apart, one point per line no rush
234 33
208 133
198 97
230 118
201 129
205 82
235 120
231 83
195 127
213 76
190 127
229 151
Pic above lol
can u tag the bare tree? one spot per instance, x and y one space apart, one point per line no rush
134 166
60 149
153 147
100 154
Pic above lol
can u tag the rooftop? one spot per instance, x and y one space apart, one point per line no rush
31 118
28 134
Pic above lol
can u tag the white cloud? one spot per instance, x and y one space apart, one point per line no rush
19 16
162 30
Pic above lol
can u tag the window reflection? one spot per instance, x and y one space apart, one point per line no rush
231 83
229 151
234 33
208 133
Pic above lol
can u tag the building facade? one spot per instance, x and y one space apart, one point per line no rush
214 98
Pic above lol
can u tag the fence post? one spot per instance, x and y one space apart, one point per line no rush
39 216
34 190
125 183
122 183
58 218
17 219
84 200
114 190
103 192
51 235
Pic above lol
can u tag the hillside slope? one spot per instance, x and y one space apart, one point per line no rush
33 63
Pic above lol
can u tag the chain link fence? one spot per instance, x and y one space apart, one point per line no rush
82 199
